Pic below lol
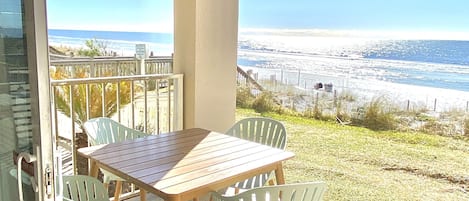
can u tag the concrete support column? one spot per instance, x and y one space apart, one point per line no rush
205 51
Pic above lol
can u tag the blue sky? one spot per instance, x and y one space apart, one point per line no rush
359 15
443 15
123 15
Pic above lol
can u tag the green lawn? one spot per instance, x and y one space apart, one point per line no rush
361 164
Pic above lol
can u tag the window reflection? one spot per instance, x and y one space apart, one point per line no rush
15 108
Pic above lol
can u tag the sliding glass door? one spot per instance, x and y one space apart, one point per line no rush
25 130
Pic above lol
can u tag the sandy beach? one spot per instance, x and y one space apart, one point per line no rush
366 90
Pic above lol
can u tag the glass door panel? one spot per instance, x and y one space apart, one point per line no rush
15 112
19 113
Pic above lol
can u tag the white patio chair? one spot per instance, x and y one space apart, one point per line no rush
264 131
83 188
310 191
104 130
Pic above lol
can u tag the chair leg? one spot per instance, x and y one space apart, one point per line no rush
236 190
143 195
271 182
117 193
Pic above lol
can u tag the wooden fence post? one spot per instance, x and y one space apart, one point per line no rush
467 106
299 76
335 98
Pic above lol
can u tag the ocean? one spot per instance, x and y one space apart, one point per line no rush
346 62
431 63
122 43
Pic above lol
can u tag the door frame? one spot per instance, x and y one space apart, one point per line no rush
35 24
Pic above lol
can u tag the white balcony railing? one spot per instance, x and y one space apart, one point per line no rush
113 66
151 103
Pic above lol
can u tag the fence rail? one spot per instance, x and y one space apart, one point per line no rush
113 66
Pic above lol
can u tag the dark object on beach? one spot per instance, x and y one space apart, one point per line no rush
318 85
328 87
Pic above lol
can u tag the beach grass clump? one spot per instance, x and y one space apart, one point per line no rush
341 114
466 126
244 97
452 113
314 113
317 111
439 128
379 116
320 111
264 103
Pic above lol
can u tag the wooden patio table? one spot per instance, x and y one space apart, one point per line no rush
184 165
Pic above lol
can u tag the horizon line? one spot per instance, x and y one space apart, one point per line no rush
318 32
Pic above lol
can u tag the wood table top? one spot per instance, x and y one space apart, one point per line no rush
184 164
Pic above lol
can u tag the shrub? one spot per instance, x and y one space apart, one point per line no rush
244 97
95 105
93 48
264 103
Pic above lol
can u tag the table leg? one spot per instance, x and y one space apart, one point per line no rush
118 190
143 195
279 176
94 170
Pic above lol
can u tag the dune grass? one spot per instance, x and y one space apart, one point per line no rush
361 164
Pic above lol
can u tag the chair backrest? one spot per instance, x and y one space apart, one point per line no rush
262 130
310 191
83 188
103 130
